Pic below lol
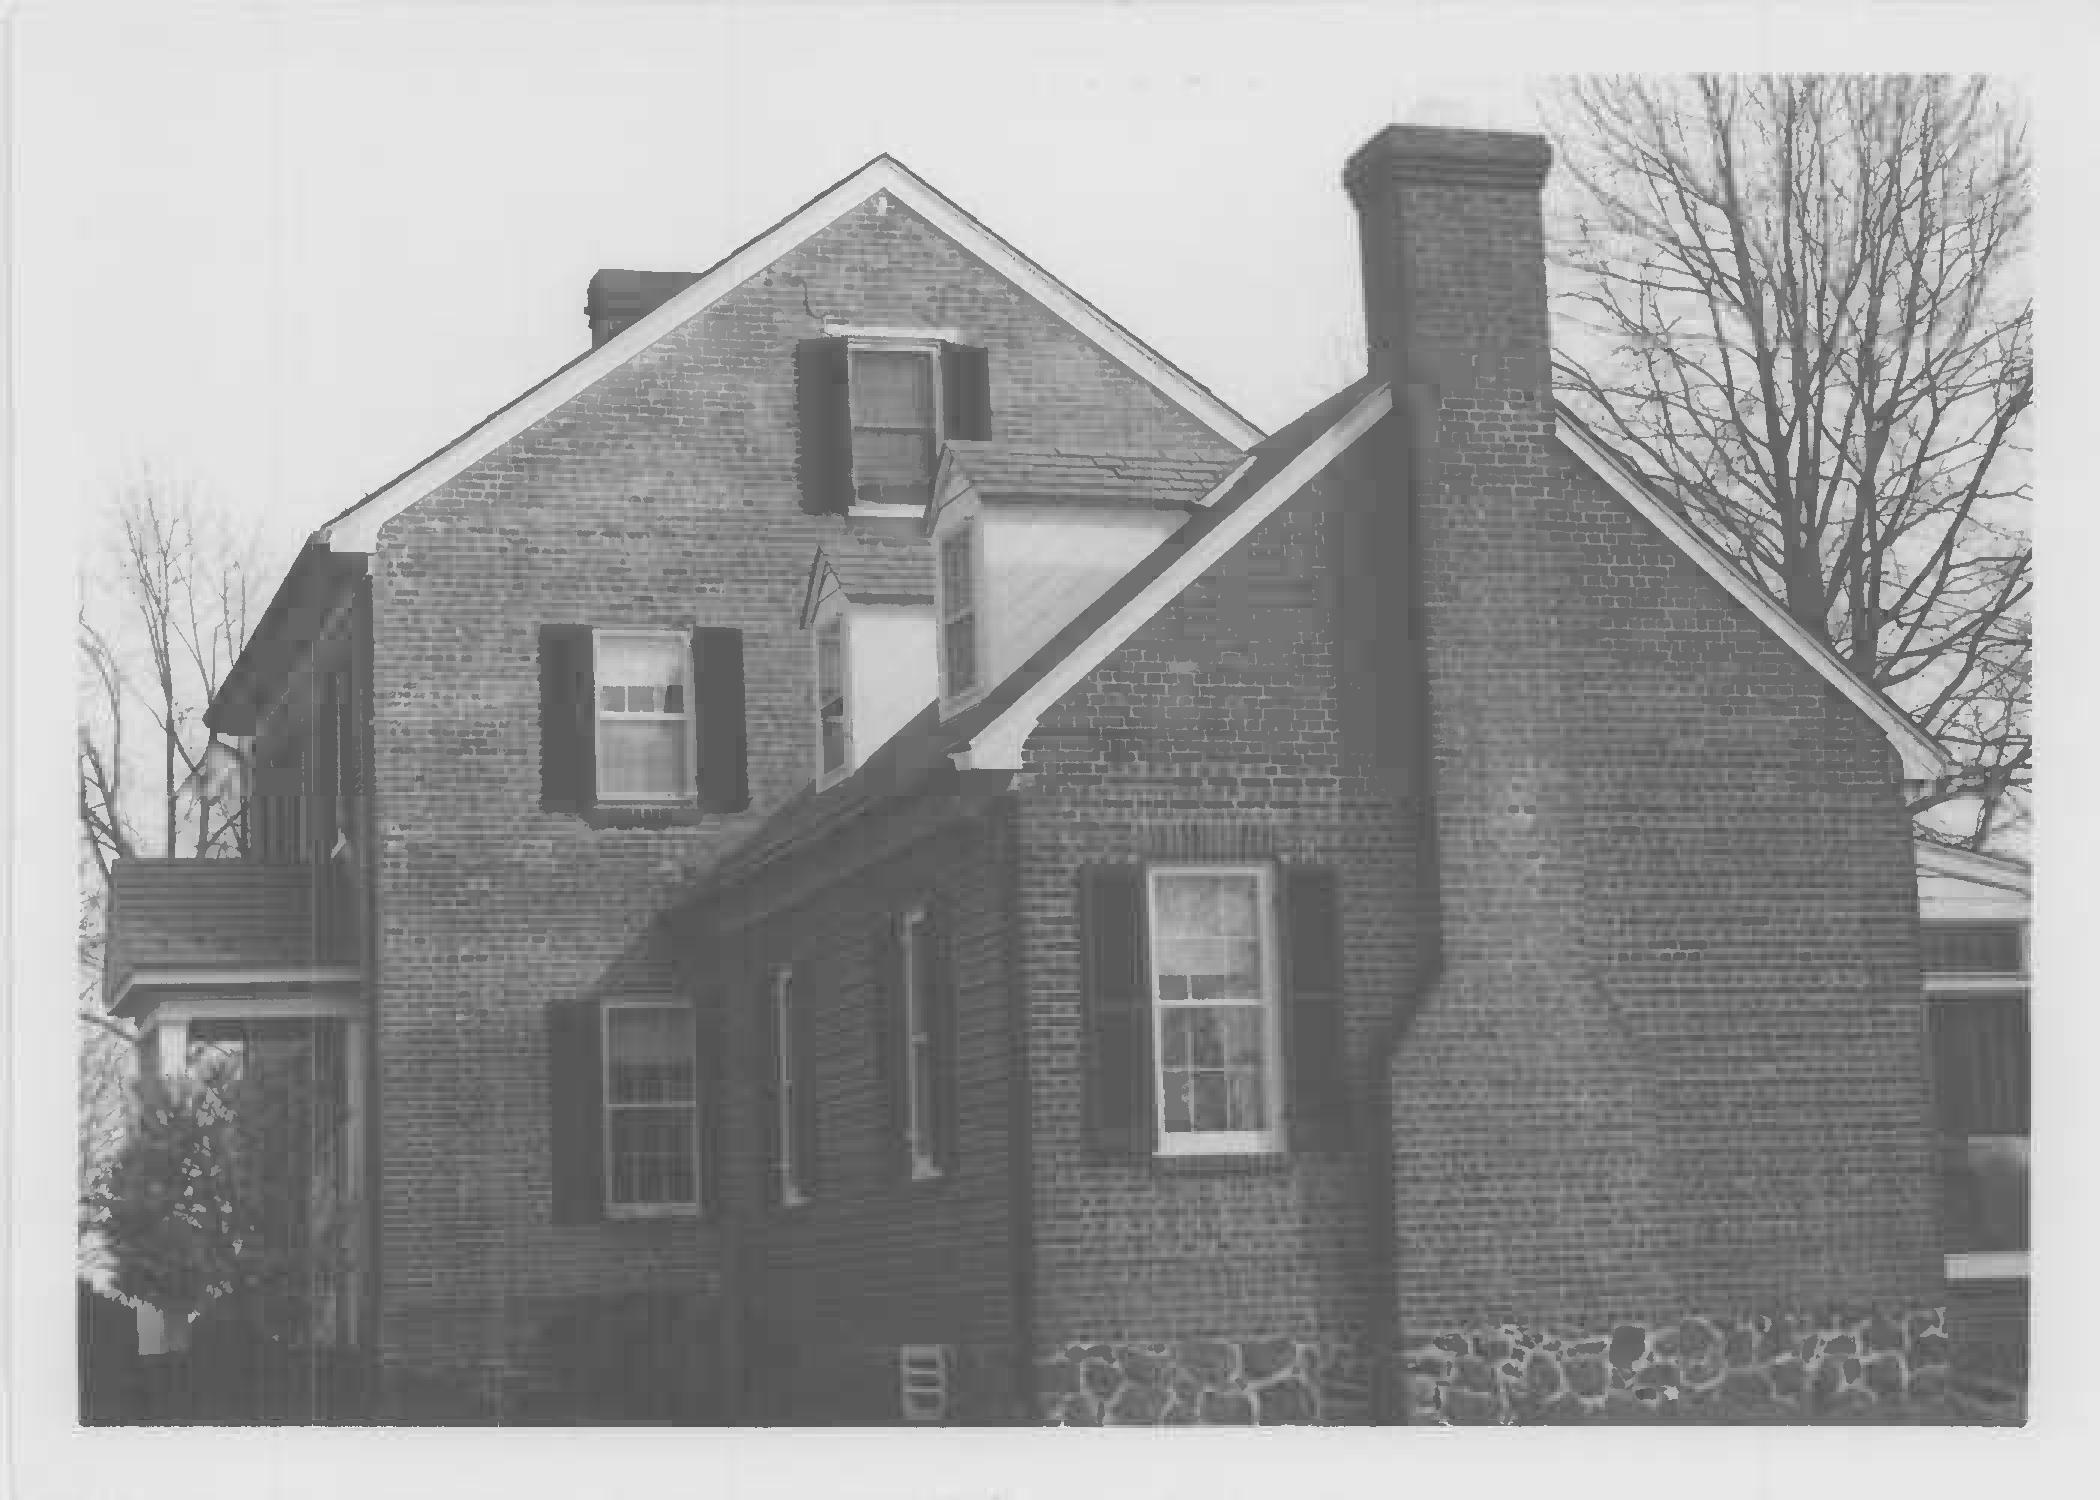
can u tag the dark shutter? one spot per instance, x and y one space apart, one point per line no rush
824 435
718 676
767 1034
709 1031
946 1124
887 1016
966 393
802 1039
1318 1076
1981 1054
576 1080
567 718
1115 985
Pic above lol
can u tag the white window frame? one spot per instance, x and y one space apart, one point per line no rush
606 1106
691 716
971 536
826 774
918 1047
1274 1139
784 1083
931 349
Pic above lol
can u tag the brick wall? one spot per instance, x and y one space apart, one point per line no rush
663 496
1211 734
832 1288
1675 1061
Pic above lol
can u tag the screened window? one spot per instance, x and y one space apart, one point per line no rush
1982 1069
958 615
645 721
651 1109
831 693
920 1063
896 424
1216 1033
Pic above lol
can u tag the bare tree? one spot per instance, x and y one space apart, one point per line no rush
1797 303
159 626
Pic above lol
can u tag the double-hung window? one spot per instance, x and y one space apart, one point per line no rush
1216 1012
831 694
790 1122
921 1061
645 720
958 607
1976 986
651 1102
894 401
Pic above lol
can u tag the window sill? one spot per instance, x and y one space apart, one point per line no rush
1221 1163
644 814
652 1213
1986 1265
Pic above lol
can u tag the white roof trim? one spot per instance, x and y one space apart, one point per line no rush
1966 864
997 746
233 978
358 531
1923 759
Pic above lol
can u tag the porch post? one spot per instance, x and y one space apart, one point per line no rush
356 1094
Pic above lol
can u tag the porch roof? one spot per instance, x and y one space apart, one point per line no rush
177 924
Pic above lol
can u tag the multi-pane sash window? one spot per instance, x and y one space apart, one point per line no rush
651 1109
787 1083
920 1080
831 692
645 719
1216 1035
958 615
896 423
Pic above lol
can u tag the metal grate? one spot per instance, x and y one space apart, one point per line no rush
922 1371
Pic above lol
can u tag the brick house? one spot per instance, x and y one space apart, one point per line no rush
882 853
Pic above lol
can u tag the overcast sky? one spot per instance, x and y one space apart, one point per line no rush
283 253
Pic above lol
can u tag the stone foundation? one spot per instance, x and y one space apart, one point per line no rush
1875 1368
1218 1382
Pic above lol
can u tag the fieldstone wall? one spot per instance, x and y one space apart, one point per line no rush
1217 1382
1880 1367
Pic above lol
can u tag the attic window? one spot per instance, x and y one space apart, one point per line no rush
958 615
874 413
831 694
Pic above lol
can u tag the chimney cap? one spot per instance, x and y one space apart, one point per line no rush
1429 155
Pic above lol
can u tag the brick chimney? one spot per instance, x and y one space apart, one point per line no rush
1512 1078
618 298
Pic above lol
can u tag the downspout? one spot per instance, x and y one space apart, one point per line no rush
367 811
1020 1127
1401 476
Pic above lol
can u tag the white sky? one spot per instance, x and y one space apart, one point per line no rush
283 253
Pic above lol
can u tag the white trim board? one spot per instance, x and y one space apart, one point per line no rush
193 979
1923 759
257 1008
997 746
358 530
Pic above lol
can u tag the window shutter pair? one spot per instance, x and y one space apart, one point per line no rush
576 1062
1116 990
801 1041
892 1027
824 426
569 719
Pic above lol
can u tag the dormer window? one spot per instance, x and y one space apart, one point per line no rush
875 407
831 694
958 606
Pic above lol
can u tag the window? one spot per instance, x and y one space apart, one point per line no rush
1977 991
874 412
831 693
652 1107
790 1119
921 1059
641 727
1215 1032
958 614
645 727
896 424
1192 978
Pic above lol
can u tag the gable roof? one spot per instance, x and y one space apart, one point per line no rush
1923 757
356 529
875 562
1019 475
